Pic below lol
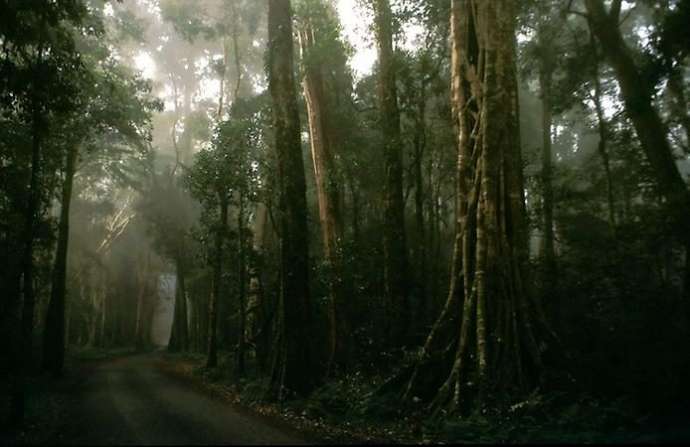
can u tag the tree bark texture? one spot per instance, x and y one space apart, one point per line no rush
144 309
255 301
679 104
24 348
548 253
323 147
394 242
421 242
242 279
221 230
54 334
293 367
179 336
488 318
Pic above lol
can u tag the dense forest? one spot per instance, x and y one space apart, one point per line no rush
495 211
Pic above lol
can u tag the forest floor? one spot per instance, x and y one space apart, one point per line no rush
119 397
348 410
304 415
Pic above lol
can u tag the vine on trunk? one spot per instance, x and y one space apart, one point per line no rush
489 321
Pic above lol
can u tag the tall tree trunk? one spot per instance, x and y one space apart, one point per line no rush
549 275
495 335
242 278
179 335
679 104
548 253
54 334
93 309
293 366
212 345
686 283
10 329
192 315
139 315
141 327
196 323
184 318
433 235
327 191
255 302
356 212
679 108
204 319
421 243
102 339
394 243
637 97
68 322
24 350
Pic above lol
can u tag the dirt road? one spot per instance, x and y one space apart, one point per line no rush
130 401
